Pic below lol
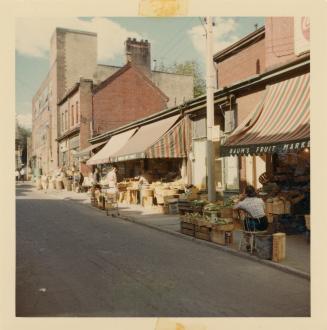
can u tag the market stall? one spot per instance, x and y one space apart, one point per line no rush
279 127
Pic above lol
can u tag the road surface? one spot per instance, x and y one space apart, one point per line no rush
73 260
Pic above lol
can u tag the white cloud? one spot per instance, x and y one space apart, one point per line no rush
25 120
33 35
224 34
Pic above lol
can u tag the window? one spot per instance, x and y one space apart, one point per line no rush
72 116
257 64
77 114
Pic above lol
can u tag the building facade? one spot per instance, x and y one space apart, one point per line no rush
124 97
73 55
259 57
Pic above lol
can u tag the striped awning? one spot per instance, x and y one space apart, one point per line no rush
143 139
280 122
171 145
115 143
85 153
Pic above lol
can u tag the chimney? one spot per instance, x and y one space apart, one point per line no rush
139 54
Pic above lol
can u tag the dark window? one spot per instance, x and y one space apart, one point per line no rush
257 70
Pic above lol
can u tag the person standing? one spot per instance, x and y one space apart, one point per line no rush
112 182
112 178
17 175
96 176
22 174
80 181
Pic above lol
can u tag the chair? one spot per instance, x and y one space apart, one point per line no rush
248 235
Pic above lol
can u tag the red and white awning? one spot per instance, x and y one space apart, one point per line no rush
171 145
280 123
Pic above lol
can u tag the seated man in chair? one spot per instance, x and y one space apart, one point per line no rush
254 206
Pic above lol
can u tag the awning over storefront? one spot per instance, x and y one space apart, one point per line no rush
280 123
113 145
145 137
85 153
171 145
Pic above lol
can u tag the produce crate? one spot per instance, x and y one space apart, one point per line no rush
187 228
226 227
202 229
221 237
184 206
186 225
218 236
173 208
204 236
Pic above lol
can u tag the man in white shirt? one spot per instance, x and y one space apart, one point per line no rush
255 207
112 178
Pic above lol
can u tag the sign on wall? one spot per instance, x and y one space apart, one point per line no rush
301 34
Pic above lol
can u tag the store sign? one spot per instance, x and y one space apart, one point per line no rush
301 34
262 149
129 157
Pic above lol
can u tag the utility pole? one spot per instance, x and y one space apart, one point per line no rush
210 112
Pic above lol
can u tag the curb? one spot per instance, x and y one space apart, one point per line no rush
268 263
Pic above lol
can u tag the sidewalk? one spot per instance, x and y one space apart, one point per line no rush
297 248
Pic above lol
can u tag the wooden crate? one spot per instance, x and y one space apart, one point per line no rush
173 208
227 227
147 201
187 225
270 218
204 236
147 192
188 232
279 247
218 236
202 229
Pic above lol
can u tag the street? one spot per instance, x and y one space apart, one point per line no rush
73 260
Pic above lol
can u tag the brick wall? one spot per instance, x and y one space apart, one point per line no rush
128 97
242 65
247 103
279 41
80 54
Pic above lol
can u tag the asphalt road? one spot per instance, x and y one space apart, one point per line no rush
73 260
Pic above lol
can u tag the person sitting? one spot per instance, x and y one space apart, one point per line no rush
255 207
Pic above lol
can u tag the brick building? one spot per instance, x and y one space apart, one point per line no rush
246 69
73 59
245 72
124 97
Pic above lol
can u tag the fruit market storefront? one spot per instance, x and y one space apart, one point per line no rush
279 129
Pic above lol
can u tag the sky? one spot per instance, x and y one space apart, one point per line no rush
172 40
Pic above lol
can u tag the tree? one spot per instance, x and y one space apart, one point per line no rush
22 134
190 68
